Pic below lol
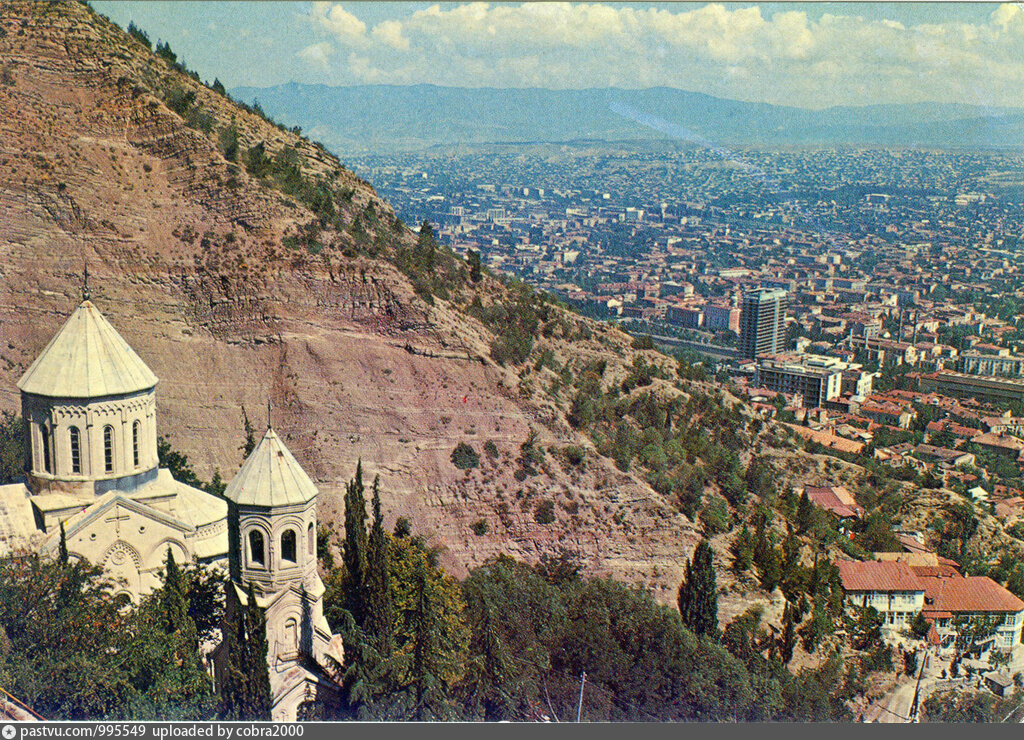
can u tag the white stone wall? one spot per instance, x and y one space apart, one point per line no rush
91 417
896 607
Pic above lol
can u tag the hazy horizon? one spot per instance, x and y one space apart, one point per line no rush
805 55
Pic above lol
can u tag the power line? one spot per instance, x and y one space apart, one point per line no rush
22 705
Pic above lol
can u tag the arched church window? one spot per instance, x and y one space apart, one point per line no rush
135 442
256 548
76 450
291 636
46 448
288 545
108 449
310 539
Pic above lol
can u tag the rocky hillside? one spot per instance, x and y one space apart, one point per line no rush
244 263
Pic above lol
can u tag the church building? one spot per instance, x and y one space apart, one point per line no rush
89 403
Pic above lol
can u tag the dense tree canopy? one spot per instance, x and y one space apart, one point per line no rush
72 647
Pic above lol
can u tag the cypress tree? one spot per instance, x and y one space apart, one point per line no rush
424 634
62 548
498 705
769 569
698 594
245 694
232 689
804 513
473 259
380 608
370 646
258 702
173 599
183 681
355 546
787 640
742 550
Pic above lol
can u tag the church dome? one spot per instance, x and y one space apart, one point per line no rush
87 359
271 476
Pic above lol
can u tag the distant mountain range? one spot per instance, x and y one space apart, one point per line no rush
390 118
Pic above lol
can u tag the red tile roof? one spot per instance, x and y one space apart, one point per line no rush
878 576
967 594
832 498
910 544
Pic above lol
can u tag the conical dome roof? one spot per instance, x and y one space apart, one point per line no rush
86 359
270 476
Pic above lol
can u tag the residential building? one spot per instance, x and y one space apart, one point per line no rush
943 456
857 382
951 599
688 317
887 413
1001 444
884 351
983 363
816 382
892 588
763 322
721 318
836 499
982 387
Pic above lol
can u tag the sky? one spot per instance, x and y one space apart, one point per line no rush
806 54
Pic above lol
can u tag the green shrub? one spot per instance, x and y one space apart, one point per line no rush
228 140
479 527
851 548
179 100
544 512
465 457
574 455
644 341
490 448
715 516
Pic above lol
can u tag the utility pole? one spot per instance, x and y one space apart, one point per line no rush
579 706
917 688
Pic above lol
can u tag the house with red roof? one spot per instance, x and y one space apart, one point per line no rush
898 589
1001 443
891 587
836 499
951 599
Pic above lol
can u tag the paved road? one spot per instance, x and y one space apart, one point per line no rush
894 707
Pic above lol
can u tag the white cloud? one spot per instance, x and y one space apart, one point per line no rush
1009 17
390 33
337 21
729 50
317 55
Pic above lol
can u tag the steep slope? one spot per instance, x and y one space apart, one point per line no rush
237 287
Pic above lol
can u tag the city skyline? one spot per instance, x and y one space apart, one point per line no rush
812 55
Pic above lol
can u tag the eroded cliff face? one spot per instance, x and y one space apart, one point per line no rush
189 258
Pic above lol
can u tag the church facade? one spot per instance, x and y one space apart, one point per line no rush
89 403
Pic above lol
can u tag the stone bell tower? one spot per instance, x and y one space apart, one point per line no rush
272 545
